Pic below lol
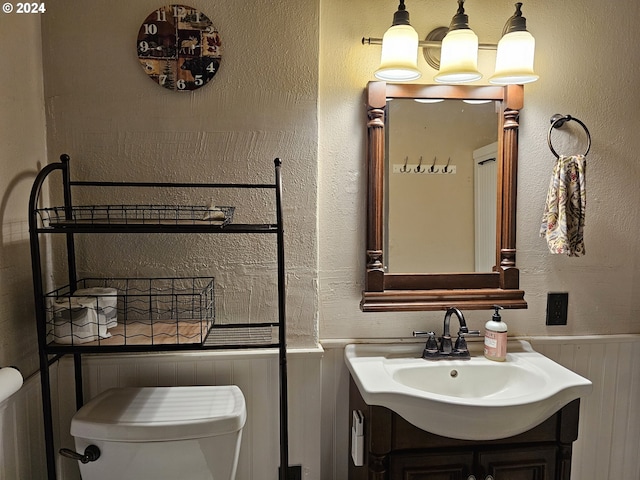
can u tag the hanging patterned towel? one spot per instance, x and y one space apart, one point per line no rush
563 219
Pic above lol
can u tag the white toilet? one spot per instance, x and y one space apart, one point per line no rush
162 433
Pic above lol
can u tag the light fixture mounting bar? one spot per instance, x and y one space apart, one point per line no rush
427 43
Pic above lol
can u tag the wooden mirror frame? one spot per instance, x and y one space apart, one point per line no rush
439 291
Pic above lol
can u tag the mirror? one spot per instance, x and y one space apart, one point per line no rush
440 169
433 289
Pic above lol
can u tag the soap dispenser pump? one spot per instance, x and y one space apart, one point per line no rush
495 337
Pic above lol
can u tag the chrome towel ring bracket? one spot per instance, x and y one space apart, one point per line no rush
557 121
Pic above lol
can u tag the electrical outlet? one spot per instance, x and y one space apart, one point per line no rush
557 307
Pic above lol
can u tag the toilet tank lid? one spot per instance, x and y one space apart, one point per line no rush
149 414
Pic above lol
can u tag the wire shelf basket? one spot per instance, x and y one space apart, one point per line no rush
136 215
131 311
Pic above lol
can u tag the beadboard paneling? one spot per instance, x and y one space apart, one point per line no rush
607 446
22 434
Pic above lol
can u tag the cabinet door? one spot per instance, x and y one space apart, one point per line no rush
430 466
535 463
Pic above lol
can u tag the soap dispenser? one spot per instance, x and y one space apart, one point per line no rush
495 337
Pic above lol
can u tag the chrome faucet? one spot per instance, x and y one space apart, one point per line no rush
446 349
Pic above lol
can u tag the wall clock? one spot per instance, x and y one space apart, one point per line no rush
179 48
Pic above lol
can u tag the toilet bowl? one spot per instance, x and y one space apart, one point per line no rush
162 433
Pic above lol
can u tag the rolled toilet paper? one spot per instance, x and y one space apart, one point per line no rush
107 303
76 320
10 382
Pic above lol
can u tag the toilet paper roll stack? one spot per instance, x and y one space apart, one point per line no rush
85 316
106 303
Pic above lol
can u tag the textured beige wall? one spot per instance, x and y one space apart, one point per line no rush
22 153
291 85
118 125
582 73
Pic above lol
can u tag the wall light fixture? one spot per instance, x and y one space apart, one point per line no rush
453 51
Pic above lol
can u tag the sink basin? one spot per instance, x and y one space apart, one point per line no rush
478 379
476 399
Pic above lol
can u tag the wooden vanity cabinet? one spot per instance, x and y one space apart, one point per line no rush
397 450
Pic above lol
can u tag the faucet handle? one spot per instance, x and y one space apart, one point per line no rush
461 343
466 331
420 333
431 348
431 338
432 343
469 333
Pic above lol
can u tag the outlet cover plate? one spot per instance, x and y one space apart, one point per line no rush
557 308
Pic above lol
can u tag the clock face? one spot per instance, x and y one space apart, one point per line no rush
179 48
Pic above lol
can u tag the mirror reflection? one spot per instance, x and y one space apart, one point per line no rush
440 188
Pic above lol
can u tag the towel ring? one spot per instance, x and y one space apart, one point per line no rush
558 121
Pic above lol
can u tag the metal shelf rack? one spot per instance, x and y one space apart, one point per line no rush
162 327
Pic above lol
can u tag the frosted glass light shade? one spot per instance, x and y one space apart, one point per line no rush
514 60
459 57
399 59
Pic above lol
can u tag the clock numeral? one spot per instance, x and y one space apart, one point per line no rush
211 68
198 80
181 84
161 15
178 11
162 79
144 46
150 28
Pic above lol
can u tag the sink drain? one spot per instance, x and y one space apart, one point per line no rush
453 373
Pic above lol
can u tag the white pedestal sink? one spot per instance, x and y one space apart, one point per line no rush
475 399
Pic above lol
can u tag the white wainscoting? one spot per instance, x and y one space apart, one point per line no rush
609 436
607 447
22 435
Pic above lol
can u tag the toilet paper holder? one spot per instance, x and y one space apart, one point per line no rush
10 382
